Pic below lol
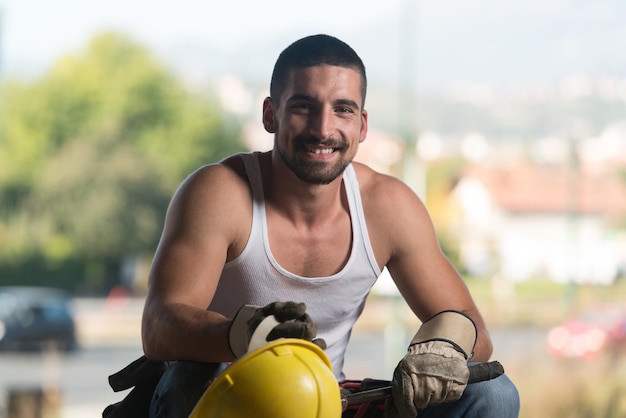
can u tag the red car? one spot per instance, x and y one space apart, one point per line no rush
593 332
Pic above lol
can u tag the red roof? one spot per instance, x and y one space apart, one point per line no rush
554 189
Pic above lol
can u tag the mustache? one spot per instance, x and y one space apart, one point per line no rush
301 141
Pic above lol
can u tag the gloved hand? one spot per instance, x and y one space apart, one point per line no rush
255 326
434 369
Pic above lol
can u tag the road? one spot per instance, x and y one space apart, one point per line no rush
81 377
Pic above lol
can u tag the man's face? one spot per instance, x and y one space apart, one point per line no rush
318 121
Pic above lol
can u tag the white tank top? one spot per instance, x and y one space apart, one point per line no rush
334 302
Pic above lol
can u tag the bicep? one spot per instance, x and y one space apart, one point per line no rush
194 245
185 272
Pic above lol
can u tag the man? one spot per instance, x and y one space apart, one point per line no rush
302 222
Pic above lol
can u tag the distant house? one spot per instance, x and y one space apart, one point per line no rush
526 220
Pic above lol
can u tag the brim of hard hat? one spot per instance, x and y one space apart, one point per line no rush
292 342
222 386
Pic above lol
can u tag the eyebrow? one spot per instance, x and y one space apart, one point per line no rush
307 98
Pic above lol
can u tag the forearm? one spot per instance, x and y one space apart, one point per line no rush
484 347
181 332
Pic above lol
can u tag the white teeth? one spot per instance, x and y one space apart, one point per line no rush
321 151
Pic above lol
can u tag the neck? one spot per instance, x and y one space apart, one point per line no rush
301 202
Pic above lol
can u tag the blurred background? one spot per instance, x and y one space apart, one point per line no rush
507 118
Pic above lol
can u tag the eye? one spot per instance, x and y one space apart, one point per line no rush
344 109
301 107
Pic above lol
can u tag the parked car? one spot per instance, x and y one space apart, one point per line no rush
593 332
31 318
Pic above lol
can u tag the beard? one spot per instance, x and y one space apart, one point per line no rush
314 172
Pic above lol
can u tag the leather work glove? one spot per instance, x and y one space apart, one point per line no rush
434 370
255 326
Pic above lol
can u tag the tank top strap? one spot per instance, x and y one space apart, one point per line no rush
357 214
253 171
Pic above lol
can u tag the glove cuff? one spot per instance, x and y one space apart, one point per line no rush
238 337
452 327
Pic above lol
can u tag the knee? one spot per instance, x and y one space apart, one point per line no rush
494 398
180 388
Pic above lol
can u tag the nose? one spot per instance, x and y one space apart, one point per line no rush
322 124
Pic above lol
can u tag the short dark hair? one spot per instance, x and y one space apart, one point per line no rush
312 51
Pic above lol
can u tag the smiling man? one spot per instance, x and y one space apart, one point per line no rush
319 130
301 233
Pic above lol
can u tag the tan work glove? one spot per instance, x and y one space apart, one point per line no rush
255 326
434 370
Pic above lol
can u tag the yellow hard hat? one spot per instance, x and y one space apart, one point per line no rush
286 378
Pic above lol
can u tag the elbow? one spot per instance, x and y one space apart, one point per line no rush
149 351
150 342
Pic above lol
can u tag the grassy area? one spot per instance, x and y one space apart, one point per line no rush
571 388
549 387
540 303
553 388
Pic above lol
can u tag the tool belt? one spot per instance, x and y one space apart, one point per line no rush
373 409
142 375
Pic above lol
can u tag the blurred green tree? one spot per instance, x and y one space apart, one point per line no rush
89 157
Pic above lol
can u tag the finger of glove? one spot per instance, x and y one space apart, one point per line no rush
424 383
402 393
294 329
432 390
285 311
320 342
391 411
445 368
282 311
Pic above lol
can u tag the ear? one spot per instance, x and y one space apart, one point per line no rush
269 119
363 133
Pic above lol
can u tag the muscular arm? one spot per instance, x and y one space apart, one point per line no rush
405 238
202 228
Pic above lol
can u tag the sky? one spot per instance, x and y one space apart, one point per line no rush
36 31
514 41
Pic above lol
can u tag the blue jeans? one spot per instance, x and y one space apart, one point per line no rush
497 398
180 388
183 383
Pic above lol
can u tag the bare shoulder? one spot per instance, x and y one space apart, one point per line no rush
214 184
382 193
223 175
393 212
214 198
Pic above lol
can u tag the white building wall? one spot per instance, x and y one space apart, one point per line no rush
519 246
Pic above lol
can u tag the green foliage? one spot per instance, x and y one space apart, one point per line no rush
91 153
